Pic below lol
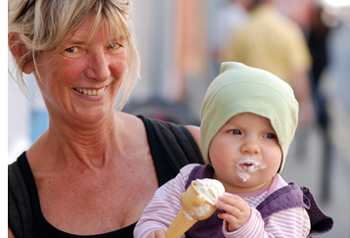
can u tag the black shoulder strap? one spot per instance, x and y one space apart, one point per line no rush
172 147
19 210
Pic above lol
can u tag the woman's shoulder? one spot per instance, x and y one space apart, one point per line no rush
131 125
128 119
195 132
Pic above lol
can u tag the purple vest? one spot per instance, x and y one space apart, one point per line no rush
286 197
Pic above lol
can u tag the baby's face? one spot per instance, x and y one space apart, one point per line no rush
245 153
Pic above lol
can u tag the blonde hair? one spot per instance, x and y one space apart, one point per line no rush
45 24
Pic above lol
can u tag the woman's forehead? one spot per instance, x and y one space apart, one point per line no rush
91 26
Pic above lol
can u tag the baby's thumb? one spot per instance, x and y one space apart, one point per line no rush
157 234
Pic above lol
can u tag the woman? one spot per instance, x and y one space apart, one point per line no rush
93 171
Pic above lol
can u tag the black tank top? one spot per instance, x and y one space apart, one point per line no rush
165 171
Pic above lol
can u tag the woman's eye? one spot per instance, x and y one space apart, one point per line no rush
72 49
235 132
114 46
270 136
74 52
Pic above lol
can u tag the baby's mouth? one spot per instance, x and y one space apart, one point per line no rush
246 166
250 165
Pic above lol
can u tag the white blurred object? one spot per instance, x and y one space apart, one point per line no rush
18 118
17 145
336 3
337 11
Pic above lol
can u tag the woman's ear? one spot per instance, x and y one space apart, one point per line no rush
18 50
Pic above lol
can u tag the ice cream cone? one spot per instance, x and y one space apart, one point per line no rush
198 203
195 204
180 225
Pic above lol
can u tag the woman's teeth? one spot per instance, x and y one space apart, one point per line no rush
90 92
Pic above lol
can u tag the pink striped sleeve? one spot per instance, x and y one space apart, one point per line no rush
292 222
164 205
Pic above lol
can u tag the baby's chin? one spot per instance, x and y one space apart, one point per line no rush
238 186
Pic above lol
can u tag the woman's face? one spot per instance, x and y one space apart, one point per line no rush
80 79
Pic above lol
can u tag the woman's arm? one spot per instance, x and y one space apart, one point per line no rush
10 234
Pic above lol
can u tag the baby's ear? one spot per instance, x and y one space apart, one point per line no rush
18 50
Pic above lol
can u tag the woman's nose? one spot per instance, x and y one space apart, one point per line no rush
98 67
250 146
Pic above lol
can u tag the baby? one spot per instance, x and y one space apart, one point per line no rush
248 121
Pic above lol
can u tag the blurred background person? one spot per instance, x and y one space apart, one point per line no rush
317 38
272 42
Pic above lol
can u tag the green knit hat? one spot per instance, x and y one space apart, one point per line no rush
240 89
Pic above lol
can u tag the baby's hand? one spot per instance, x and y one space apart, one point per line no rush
237 211
157 234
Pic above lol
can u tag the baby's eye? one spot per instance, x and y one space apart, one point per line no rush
270 136
235 132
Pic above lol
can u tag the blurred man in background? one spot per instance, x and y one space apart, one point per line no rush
272 42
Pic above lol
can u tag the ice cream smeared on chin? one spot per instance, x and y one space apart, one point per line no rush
247 166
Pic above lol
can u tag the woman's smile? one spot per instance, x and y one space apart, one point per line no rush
91 92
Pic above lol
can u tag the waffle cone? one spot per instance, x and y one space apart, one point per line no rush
193 202
180 225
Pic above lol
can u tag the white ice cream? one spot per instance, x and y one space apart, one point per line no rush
198 202
247 166
210 189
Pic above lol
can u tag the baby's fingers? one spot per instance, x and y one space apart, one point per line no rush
232 223
231 203
237 211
